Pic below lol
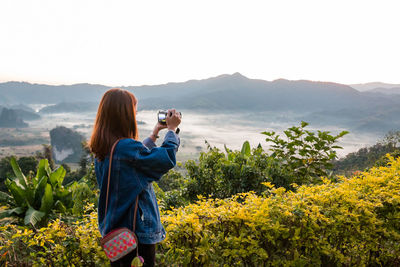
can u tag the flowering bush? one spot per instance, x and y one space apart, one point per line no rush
58 244
354 222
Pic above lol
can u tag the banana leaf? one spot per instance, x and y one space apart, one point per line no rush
39 190
17 192
33 216
42 169
47 199
5 198
11 212
246 151
18 173
57 176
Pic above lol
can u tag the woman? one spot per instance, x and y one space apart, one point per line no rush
135 166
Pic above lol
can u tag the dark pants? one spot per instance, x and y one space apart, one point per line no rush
148 252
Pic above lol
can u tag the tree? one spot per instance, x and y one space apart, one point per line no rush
367 157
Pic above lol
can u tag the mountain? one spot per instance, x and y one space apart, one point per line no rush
237 93
386 91
10 119
370 86
66 144
224 92
23 112
27 93
70 107
319 102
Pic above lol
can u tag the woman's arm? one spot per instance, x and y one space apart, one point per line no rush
155 162
150 142
172 121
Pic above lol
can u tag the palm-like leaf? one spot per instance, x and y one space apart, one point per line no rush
5 198
47 199
246 151
17 192
11 212
57 176
39 190
43 169
33 216
22 182
18 173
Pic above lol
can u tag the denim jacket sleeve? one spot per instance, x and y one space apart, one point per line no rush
154 162
149 143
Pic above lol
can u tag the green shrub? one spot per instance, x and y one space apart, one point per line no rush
58 244
368 157
355 222
384 160
300 158
222 175
304 155
27 165
172 180
37 198
351 223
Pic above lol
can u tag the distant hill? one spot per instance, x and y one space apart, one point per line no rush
387 91
319 102
23 112
27 93
10 119
70 107
370 86
66 144
237 90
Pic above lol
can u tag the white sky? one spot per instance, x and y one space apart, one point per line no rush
153 42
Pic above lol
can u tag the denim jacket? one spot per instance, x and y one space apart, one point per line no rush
135 166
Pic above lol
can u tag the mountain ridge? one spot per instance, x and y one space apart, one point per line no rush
319 101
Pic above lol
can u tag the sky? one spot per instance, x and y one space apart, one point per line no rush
154 42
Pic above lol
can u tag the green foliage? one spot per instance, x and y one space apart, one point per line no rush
369 156
301 158
85 172
76 243
351 223
37 198
393 138
170 189
27 164
304 154
83 196
173 199
385 160
172 180
222 175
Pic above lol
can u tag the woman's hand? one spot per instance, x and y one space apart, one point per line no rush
157 128
173 119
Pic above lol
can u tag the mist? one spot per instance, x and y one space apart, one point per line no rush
218 129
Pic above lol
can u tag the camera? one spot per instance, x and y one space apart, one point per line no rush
162 116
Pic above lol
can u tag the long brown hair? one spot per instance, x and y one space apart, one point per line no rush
116 118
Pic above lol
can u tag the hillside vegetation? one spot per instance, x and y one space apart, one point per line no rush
355 222
281 207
